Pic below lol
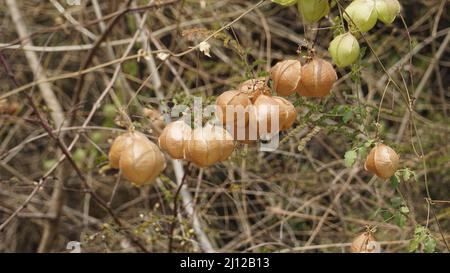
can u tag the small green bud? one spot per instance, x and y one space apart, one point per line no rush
313 10
109 111
49 163
361 14
344 49
79 155
97 137
387 10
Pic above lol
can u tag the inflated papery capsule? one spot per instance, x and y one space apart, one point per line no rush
382 161
318 77
265 116
255 87
209 145
243 134
286 77
287 113
119 144
231 107
313 10
365 243
387 10
141 161
174 137
344 49
361 14
226 142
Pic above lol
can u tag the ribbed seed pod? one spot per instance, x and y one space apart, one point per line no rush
288 114
361 14
286 77
382 161
237 102
365 243
118 146
387 10
226 142
141 161
344 49
243 134
255 87
318 77
265 116
174 137
313 10
209 145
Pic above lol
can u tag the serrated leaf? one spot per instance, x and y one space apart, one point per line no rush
285 2
350 158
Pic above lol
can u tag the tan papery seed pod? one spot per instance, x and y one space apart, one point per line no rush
318 77
174 137
209 145
365 243
264 112
288 114
119 144
286 77
141 161
243 134
226 142
382 161
254 88
236 101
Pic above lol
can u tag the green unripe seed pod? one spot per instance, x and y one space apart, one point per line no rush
313 10
387 10
361 14
344 49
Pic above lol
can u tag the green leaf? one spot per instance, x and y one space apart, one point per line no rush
350 158
400 219
387 215
394 181
406 175
369 143
419 229
396 201
404 210
413 245
285 2
430 245
347 116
